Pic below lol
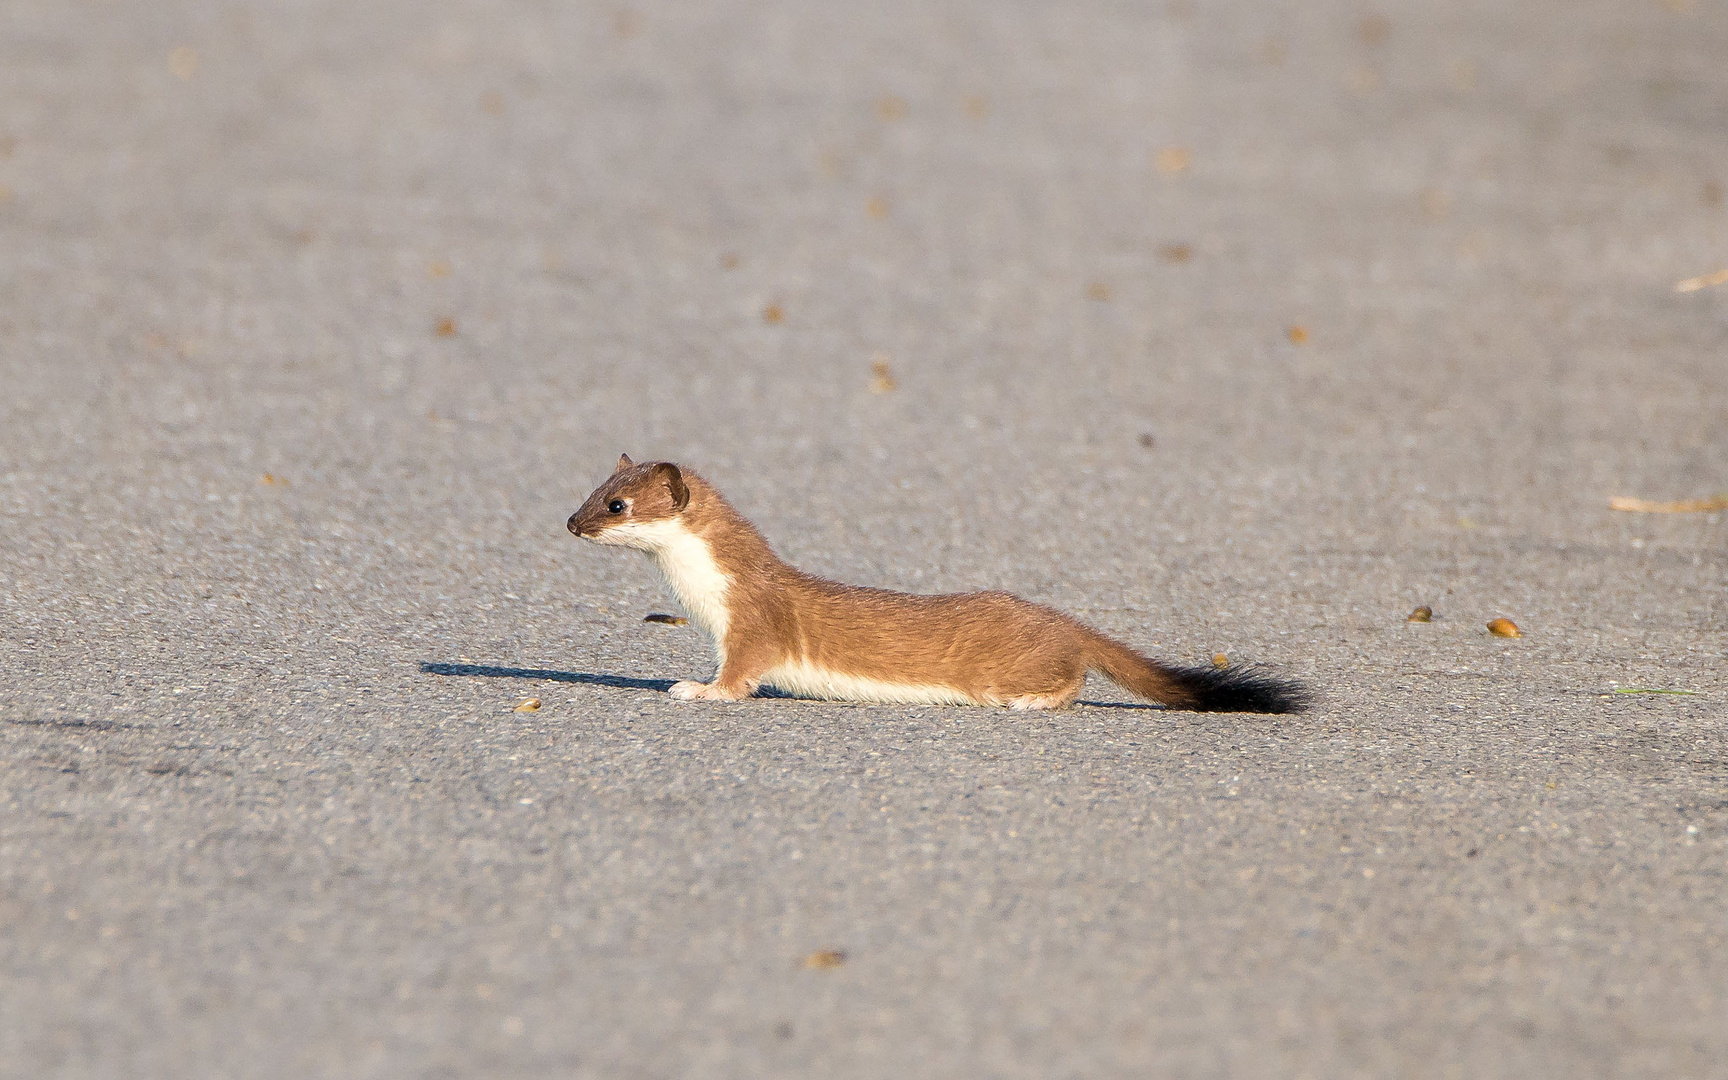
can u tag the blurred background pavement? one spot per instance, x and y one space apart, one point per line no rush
1230 327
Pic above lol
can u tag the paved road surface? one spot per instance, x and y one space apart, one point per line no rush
316 320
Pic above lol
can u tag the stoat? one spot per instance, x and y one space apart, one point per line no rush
776 626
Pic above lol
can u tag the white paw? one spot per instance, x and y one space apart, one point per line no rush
687 690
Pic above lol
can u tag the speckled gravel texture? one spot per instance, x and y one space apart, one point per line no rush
266 809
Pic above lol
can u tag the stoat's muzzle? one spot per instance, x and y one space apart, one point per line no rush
632 499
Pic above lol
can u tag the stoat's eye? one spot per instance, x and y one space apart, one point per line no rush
616 506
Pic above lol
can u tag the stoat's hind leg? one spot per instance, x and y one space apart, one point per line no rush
1055 699
1044 701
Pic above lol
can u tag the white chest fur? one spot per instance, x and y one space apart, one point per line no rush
688 565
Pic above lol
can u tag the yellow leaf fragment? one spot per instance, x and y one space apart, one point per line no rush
1504 628
528 705
1702 281
825 959
1220 660
881 375
1685 506
1421 614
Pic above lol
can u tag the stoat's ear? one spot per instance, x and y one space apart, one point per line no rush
674 479
624 462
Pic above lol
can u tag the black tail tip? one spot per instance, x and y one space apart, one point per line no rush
1242 689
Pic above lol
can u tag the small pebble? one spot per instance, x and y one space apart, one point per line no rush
1504 628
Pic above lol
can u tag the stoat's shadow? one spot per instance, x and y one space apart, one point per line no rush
1123 705
624 682
487 671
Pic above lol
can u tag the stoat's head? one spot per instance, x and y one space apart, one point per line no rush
636 507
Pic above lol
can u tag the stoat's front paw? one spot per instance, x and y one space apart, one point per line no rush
701 691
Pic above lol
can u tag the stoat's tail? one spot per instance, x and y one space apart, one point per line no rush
1202 689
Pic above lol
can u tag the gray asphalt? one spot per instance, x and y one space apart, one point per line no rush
317 320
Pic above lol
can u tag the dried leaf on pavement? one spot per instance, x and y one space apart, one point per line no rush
1702 281
881 375
1684 506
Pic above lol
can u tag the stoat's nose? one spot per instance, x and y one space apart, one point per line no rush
571 525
